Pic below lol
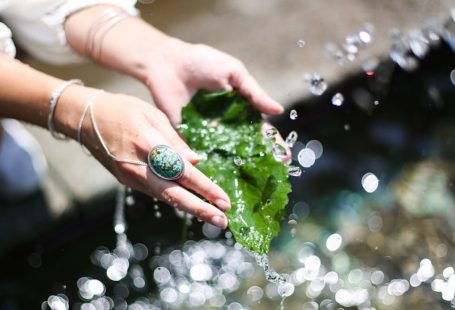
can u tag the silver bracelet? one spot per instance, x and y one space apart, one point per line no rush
81 121
89 109
162 160
55 96
107 19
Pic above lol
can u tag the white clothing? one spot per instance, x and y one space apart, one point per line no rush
37 26
22 162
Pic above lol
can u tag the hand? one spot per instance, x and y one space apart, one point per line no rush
130 129
179 69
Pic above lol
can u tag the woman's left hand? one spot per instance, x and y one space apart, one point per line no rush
180 69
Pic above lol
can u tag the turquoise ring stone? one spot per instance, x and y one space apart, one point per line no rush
165 162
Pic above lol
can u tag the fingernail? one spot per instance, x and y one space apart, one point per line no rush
219 221
192 156
223 204
280 108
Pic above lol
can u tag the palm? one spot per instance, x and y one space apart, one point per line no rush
173 83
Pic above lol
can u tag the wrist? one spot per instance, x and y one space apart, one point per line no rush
70 108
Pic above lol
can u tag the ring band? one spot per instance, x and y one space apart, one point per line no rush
165 163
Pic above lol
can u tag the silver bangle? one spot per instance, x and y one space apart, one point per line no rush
107 19
55 96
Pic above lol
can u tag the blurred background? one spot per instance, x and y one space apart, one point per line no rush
370 220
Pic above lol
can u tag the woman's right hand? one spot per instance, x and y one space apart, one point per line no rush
131 128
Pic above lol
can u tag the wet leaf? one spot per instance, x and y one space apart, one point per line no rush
225 127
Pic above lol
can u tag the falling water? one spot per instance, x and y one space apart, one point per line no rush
285 288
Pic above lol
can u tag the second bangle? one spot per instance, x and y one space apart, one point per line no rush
55 96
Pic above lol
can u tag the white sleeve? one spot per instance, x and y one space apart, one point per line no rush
37 25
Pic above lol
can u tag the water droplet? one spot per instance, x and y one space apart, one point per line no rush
337 99
306 158
316 147
301 43
244 231
292 222
333 242
452 76
119 228
347 127
293 115
376 102
433 31
158 214
294 171
129 200
169 295
279 152
370 182
291 138
418 43
317 84
271 132
238 161
333 51
366 34
351 50
370 65
255 293
286 289
162 275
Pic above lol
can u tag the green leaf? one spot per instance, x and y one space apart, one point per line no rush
225 127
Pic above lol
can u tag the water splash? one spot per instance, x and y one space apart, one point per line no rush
348 50
301 43
293 115
271 133
279 152
284 288
291 139
337 100
317 84
294 171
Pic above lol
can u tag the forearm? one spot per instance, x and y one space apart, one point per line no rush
127 46
25 95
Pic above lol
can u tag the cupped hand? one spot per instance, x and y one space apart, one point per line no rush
179 70
130 128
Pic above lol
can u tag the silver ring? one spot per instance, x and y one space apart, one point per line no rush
165 163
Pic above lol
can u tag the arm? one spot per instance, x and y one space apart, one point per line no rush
129 126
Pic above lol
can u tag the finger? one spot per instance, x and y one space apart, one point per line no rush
278 139
170 98
196 181
180 198
248 87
